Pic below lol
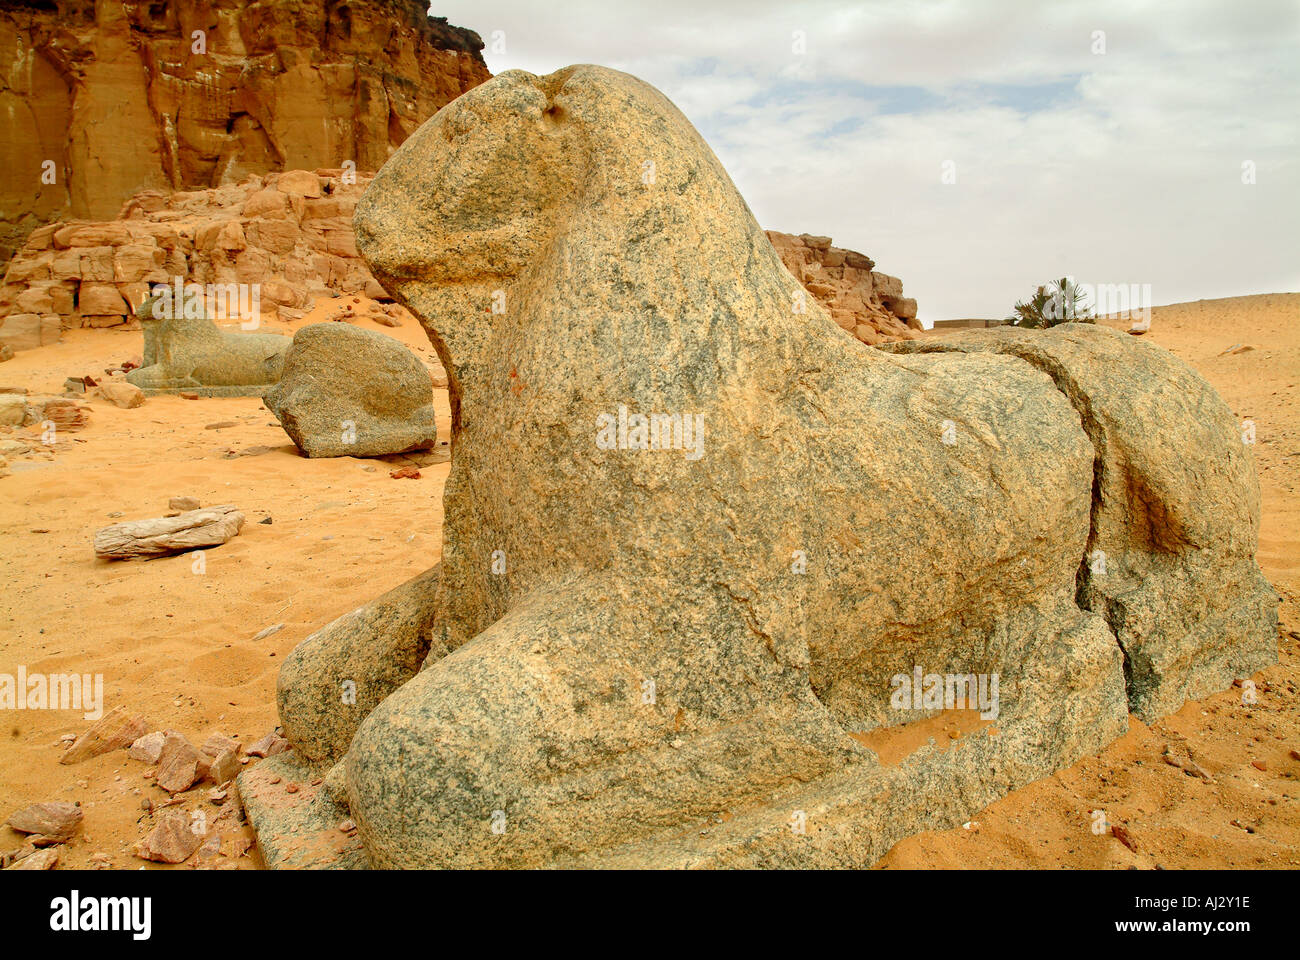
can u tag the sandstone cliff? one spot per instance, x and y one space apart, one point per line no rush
101 100
864 302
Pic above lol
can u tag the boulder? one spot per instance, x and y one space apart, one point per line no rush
886 286
346 391
120 393
902 307
26 331
13 409
266 203
301 183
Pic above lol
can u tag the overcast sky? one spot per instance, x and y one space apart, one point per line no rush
1122 166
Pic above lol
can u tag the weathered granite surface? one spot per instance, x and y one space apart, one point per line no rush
349 392
681 654
1170 562
332 680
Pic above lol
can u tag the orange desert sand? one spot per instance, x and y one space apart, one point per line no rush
179 647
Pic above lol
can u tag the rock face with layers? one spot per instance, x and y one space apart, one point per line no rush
206 93
862 301
693 540
290 234
286 237
348 392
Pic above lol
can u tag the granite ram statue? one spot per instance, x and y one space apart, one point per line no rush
696 540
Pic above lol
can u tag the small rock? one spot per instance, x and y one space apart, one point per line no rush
172 841
235 845
221 425
224 767
405 473
275 628
217 744
268 746
13 856
1121 834
54 819
210 847
149 747
178 766
40 860
120 393
183 504
1259 764
114 730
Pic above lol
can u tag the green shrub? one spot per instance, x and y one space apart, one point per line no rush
1060 301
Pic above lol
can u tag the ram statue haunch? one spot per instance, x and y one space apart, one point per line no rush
631 655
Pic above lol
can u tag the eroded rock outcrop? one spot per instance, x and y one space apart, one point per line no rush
103 100
291 234
862 301
285 238
693 538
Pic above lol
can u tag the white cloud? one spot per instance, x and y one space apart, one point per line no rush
1115 168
